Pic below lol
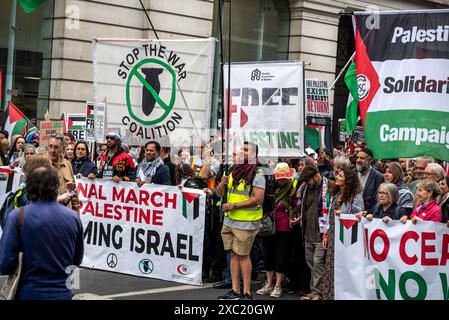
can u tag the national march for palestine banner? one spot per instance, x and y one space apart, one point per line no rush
154 231
267 106
391 261
403 82
155 89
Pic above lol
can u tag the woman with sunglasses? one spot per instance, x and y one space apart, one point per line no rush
81 164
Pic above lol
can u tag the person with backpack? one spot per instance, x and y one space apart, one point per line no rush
387 207
243 215
276 247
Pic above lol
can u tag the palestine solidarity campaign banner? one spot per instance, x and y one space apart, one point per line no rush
154 231
391 261
155 89
267 107
403 82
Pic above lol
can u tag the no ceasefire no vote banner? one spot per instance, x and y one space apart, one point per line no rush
267 106
154 231
391 261
155 89
403 82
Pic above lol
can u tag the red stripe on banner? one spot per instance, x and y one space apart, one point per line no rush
7 171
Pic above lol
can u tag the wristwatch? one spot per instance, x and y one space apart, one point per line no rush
235 206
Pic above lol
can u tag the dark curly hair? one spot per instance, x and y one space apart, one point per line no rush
352 185
42 184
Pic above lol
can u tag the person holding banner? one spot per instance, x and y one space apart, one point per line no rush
387 207
394 174
59 243
119 165
243 214
81 164
427 210
347 200
152 168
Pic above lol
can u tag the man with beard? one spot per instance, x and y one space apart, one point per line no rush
243 214
369 177
119 165
152 168
63 167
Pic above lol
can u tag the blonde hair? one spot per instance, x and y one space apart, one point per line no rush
429 186
35 161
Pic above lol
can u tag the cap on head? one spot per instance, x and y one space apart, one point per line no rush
115 135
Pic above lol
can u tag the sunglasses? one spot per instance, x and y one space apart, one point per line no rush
110 138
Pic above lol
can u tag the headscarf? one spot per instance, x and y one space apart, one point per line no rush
284 194
245 171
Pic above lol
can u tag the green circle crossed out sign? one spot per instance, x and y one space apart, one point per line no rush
167 107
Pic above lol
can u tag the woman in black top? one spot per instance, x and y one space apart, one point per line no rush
387 207
81 163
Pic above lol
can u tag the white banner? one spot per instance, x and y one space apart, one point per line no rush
155 89
154 231
267 107
9 182
391 261
317 102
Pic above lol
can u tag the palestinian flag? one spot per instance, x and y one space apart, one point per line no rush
16 123
191 203
402 79
348 231
30 5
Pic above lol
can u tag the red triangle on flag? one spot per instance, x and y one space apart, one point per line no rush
191 196
366 74
15 114
348 223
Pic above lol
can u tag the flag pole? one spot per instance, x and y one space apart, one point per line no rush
11 50
177 83
341 72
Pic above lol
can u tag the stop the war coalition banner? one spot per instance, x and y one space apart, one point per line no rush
267 107
403 82
153 231
155 89
391 261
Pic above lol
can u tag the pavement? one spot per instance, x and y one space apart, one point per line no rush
103 285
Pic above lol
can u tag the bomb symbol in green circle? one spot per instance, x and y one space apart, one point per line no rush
150 90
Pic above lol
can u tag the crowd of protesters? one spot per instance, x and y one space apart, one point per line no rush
304 195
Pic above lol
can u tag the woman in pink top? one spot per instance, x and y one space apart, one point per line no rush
276 247
427 209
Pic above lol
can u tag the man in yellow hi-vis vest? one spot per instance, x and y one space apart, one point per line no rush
243 214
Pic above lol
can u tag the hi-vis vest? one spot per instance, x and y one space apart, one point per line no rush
240 194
